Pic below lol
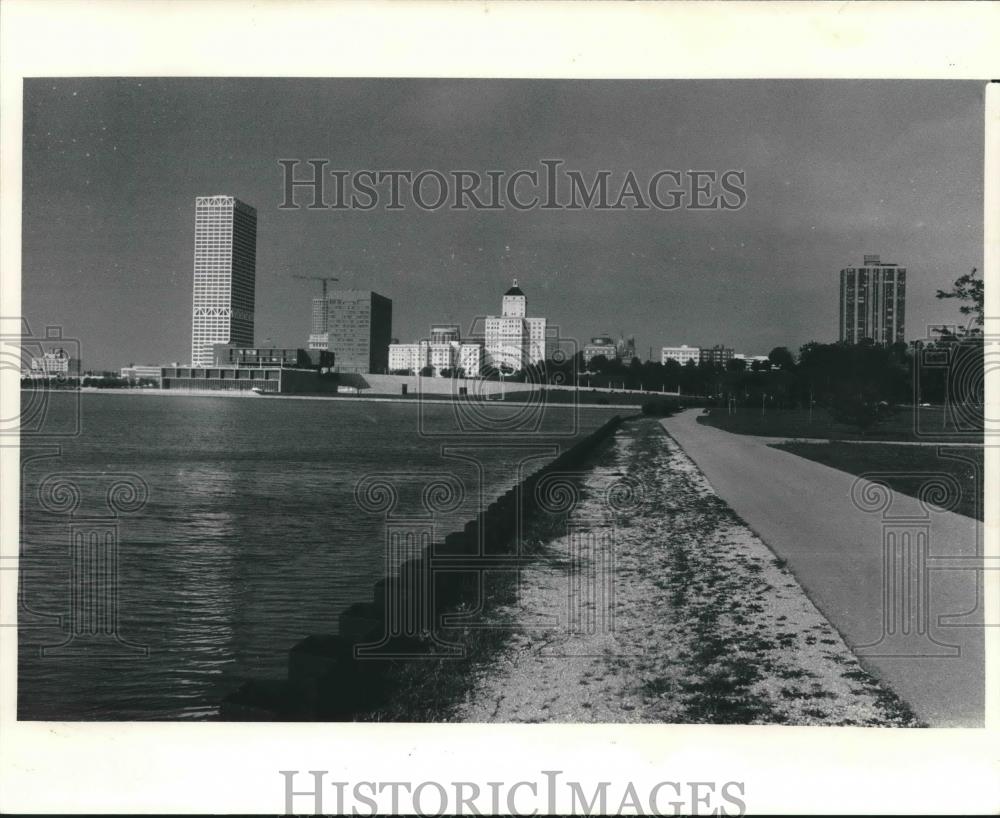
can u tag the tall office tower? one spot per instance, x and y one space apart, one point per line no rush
873 302
225 272
356 326
513 339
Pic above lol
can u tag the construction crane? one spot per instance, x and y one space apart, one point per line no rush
324 279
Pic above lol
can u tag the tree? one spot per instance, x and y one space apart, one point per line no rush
781 358
969 290
427 371
598 363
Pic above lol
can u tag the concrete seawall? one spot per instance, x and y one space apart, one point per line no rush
338 677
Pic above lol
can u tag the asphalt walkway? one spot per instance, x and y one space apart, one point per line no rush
922 637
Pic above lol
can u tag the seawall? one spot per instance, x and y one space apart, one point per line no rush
339 677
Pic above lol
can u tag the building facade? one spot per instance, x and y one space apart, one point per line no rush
626 348
140 372
600 345
873 302
719 355
443 356
229 355
267 380
514 340
466 356
445 333
53 363
225 273
682 354
409 357
356 326
470 358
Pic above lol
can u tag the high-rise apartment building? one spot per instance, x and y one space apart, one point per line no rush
225 272
873 302
514 339
355 325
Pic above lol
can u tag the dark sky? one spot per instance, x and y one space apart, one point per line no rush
834 169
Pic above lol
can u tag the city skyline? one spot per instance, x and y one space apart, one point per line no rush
834 170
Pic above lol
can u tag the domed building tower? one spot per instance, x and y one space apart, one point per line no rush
515 303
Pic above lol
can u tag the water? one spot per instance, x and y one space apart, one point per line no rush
250 537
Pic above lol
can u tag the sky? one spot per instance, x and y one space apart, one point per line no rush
834 170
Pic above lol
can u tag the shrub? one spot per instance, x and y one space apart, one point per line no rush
661 407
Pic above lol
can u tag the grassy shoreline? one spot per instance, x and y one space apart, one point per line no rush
904 468
909 424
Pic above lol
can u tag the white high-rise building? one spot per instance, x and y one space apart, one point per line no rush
515 340
225 272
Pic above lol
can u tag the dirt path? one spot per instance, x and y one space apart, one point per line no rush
660 605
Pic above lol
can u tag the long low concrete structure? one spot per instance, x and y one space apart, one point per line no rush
899 578
275 380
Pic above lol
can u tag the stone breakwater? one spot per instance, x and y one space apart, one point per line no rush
353 673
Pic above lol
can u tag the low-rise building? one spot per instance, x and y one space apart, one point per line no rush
409 357
140 372
231 355
719 355
750 360
53 363
443 357
269 379
682 354
600 345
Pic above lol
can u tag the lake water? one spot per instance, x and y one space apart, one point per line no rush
249 537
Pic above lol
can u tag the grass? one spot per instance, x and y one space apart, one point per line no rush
908 424
904 468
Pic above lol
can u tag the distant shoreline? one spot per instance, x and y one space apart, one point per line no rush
442 399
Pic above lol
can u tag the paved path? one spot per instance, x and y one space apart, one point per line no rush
805 512
657 604
869 442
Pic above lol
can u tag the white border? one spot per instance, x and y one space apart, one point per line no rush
49 767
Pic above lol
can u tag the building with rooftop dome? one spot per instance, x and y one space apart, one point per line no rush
514 340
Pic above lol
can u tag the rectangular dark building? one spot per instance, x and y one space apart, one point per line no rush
356 326
720 355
